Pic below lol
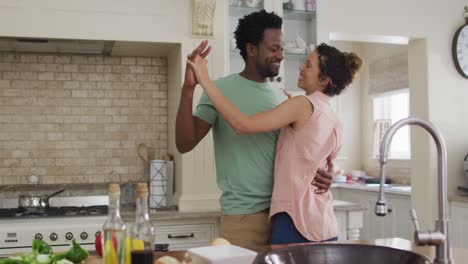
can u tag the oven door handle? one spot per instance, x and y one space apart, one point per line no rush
191 235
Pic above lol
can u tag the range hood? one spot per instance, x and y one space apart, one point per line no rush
56 45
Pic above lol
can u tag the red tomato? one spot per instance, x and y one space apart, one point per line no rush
98 244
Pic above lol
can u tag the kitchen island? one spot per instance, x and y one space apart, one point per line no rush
459 254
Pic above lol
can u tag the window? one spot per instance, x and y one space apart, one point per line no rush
388 108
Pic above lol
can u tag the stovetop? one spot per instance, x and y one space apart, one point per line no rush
63 211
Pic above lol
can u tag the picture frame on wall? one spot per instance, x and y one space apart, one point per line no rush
203 12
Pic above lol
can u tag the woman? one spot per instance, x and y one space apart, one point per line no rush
311 133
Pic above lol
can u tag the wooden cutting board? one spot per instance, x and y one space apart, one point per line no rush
94 260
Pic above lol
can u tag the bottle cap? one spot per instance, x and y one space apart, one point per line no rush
141 189
114 188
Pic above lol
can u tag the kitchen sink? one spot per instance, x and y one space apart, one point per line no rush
340 253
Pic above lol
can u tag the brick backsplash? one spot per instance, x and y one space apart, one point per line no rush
79 118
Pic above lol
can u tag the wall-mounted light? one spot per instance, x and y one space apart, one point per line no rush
203 12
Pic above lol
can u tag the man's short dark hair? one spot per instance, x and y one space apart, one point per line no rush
251 27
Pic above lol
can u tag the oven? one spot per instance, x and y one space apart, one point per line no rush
57 225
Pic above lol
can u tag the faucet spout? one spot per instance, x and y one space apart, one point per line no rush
439 237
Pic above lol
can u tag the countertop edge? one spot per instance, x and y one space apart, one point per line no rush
128 212
459 254
458 198
363 187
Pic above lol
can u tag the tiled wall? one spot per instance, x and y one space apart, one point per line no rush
78 118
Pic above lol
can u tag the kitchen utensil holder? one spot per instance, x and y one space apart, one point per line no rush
161 183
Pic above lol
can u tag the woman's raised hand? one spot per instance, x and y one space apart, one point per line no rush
200 67
203 50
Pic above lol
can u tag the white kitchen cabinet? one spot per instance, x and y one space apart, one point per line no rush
184 234
341 221
296 24
191 232
458 226
395 224
349 217
182 230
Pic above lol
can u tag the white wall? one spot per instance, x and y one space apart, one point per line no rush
355 109
438 92
372 53
140 21
349 112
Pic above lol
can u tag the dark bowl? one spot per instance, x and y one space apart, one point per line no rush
340 254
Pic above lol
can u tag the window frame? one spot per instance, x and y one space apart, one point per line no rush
400 162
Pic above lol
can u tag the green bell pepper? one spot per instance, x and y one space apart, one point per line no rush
76 254
41 247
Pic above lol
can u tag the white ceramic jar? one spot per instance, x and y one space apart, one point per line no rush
298 4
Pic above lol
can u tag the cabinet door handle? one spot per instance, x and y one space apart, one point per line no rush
170 236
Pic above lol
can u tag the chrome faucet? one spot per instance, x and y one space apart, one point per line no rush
439 237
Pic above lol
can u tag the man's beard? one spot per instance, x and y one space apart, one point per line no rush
265 71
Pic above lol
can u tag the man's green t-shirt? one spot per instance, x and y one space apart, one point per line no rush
244 163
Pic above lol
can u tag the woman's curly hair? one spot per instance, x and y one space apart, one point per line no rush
340 67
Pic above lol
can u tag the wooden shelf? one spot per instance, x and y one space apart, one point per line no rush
286 54
289 14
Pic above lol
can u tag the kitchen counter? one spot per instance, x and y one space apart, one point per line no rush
349 216
374 187
459 254
340 205
128 212
459 198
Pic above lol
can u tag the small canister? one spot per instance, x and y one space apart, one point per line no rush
311 5
161 183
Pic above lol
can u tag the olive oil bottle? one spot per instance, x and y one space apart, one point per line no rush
114 230
142 238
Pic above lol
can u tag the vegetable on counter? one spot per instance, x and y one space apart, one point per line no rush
59 256
42 254
98 244
12 260
41 247
76 254
64 261
43 259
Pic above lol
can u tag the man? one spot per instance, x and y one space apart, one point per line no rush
244 163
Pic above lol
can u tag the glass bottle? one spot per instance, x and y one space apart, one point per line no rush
142 238
114 229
